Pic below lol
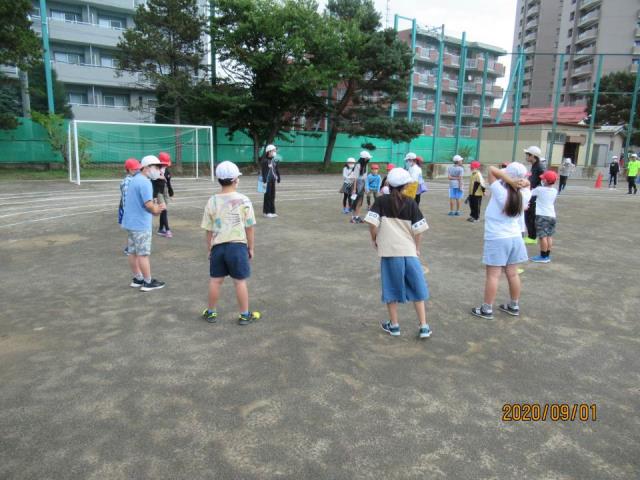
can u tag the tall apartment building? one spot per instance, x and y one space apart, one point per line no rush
83 37
578 28
425 85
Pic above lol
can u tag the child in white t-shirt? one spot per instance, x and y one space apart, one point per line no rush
504 246
545 215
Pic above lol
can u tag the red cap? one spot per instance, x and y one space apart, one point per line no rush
164 158
390 166
419 160
475 164
549 176
132 164
375 166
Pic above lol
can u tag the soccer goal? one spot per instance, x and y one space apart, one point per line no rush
104 143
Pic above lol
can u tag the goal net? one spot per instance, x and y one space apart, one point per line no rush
95 144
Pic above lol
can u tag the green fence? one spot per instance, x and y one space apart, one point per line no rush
113 143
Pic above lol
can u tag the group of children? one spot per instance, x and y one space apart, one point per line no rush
395 222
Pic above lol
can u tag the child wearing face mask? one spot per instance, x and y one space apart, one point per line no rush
162 190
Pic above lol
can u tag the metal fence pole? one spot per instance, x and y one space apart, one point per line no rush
518 103
556 103
413 63
632 116
482 103
436 120
503 104
592 120
461 78
47 55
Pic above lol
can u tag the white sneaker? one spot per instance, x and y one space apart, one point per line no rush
271 215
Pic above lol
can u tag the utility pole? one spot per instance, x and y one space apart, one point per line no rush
47 54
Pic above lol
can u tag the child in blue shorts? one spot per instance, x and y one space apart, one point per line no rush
396 225
504 246
229 220
455 173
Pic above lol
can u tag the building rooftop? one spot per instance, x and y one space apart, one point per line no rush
434 32
569 115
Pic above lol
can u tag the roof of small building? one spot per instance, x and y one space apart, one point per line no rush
572 115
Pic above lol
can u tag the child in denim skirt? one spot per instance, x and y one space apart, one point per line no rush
396 225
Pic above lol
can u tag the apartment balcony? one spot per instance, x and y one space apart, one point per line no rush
80 32
495 91
428 130
587 35
427 54
581 87
589 18
473 88
111 114
451 60
96 75
425 81
530 49
446 131
468 132
585 69
471 110
9 71
583 53
533 11
635 50
447 109
638 32
531 37
531 24
589 3
633 68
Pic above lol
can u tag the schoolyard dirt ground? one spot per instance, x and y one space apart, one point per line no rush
100 381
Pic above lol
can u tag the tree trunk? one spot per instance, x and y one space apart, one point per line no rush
331 142
256 149
176 120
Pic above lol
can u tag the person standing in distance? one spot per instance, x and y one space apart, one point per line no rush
454 174
137 221
633 167
270 176
533 155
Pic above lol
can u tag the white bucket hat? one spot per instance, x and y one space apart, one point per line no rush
227 171
149 160
533 150
410 156
457 158
366 155
516 170
398 177
269 148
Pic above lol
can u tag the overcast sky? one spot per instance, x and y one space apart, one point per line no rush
486 21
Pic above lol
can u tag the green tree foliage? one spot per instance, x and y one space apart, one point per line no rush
167 47
38 92
57 136
374 67
614 102
277 56
19 46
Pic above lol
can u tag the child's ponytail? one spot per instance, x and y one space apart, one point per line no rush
397 199
513 204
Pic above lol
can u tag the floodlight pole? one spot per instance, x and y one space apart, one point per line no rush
518 103
556 103
632 116
482 103
503 104
461 77
47 54
436 120
77 151
592 120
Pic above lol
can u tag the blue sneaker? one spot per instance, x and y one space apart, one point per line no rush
394 331
452 214
540 259
424 332
457 213
346 210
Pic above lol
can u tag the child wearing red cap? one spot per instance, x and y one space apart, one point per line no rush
384 187
545 215
476 191
162 190
131 166
374 181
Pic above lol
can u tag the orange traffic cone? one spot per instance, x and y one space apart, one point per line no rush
599 181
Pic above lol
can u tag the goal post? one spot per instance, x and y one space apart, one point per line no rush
111 143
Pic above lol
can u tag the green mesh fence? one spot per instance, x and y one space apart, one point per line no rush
114 143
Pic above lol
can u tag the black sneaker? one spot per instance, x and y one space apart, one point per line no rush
135 283
247 319
152 285
211 317
506 308
479 312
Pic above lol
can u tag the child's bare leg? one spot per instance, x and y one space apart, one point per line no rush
214 291
133 264
421 311
544 244
145 265
451 204
457 204
514 281
549 243
242 294
491 284
393 313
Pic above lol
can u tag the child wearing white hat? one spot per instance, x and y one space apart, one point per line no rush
396 226
454 174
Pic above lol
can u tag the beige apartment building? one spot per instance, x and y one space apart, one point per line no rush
579 29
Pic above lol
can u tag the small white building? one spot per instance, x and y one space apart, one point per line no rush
608 141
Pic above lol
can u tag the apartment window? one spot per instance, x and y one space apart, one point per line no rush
68 57
107 61
115 100
66 16
570 33
573 2
77 98
637 43
568 49
636 61
564 82
36 11
109 21
572 15
562 97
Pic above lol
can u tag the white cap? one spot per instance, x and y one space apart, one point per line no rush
457 158
516 170
568 160
351 160
633 155
615 157
410 156
366 155
398 177
227 171
149 160
533 150
269 148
